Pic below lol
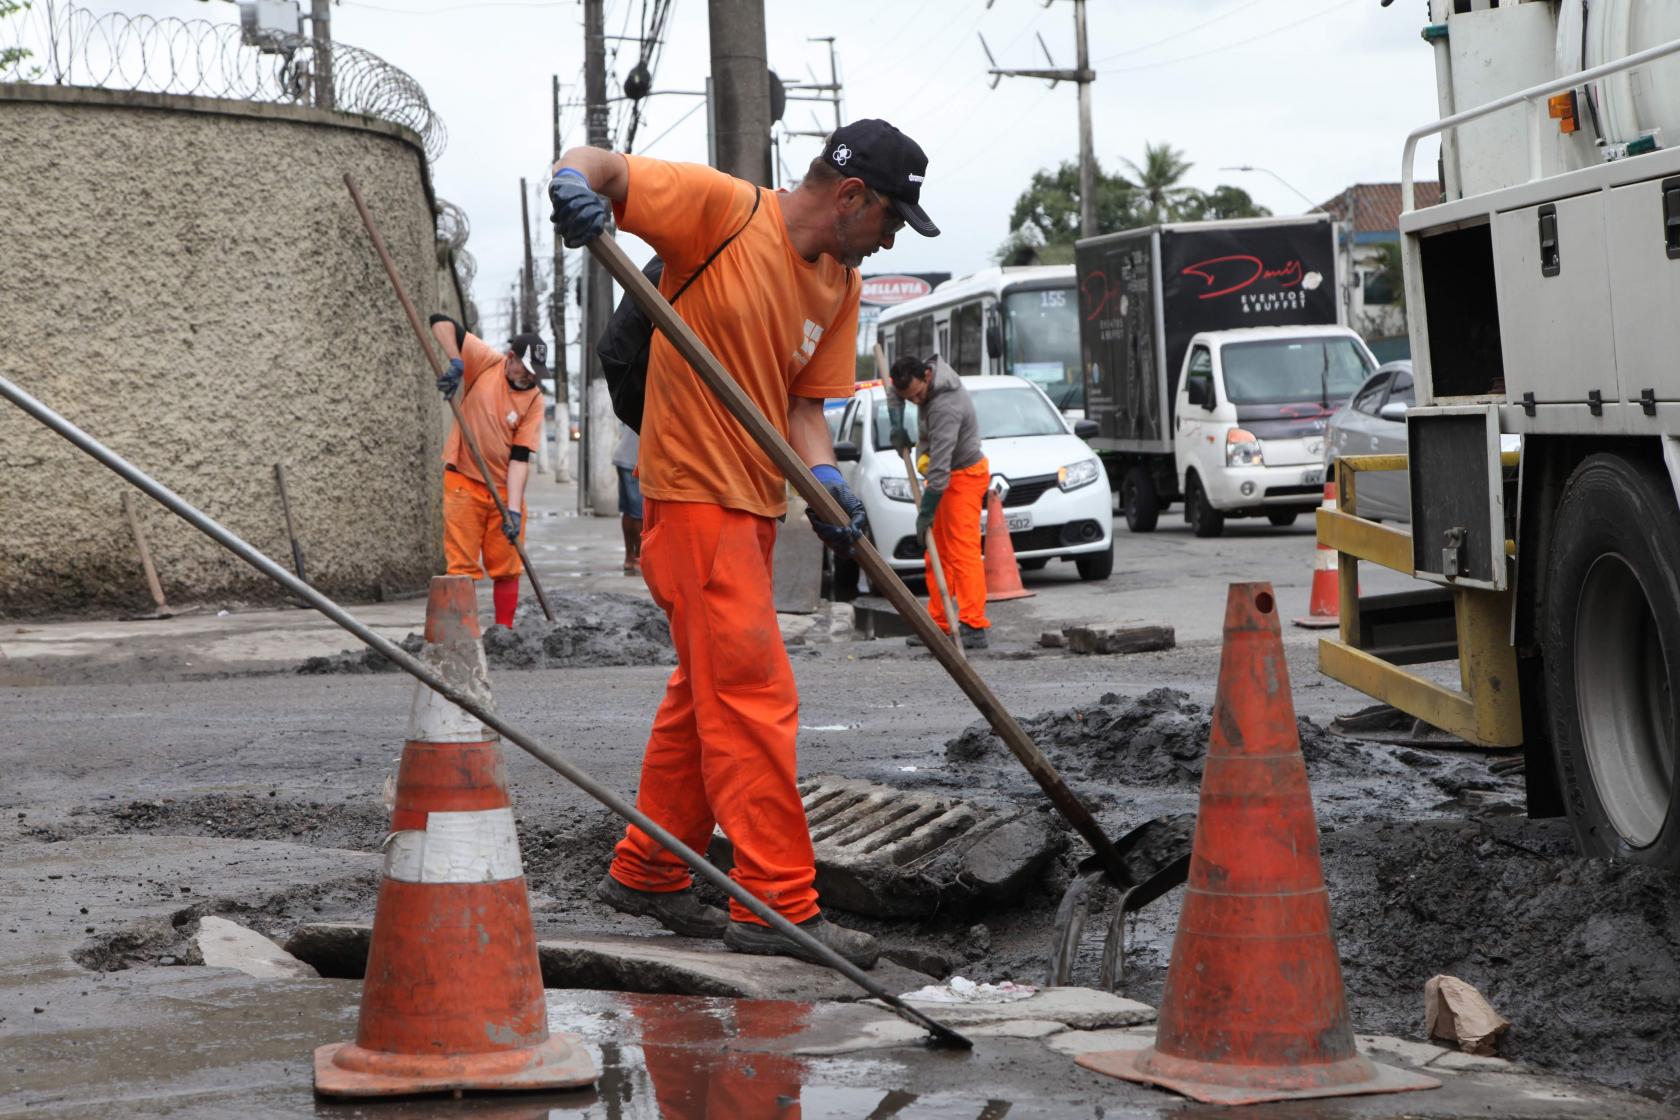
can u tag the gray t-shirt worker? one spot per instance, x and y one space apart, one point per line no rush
957 477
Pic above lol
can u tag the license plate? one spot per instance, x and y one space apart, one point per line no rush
1016 522
1312 476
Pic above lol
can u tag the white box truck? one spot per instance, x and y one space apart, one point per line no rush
1213 353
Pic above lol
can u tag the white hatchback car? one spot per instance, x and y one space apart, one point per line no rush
1055 496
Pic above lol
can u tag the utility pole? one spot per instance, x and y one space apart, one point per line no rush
528 292
599 482
741 89
830 91
557 323
1083 76
320 30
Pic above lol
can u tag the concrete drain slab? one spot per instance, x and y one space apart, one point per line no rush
900 853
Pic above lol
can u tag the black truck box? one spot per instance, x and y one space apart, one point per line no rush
1144 292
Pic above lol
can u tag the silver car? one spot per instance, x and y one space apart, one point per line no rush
1373 422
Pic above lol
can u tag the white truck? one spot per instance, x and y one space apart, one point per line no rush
1543 293
1213 353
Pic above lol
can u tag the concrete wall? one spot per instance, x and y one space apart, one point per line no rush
187 280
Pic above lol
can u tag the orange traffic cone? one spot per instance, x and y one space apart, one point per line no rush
1253 1008
1324 611
453 997
1003 575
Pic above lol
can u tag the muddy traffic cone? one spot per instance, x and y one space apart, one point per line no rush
1324 610
453 997
1003 574
1253 1008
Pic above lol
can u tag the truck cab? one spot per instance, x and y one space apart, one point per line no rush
1248 438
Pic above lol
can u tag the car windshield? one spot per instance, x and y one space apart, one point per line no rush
1041 332
1290 370
1004 413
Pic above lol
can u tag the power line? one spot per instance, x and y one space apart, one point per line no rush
1192 29
698 105
457 7
1230 46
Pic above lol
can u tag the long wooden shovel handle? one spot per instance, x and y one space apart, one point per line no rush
881 575
426 343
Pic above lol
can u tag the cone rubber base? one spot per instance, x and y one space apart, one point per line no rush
1220 1083
344 1069
1319 622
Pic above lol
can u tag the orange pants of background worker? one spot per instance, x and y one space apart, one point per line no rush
472 527
956 533
723 747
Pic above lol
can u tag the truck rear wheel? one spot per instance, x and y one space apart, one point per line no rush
1205 521
1139 500
1611 644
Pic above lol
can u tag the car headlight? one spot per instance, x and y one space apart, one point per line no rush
895 488
1242 449
1075 475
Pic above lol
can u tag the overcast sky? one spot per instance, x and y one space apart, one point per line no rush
1319 92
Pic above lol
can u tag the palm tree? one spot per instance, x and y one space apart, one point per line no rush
1158 181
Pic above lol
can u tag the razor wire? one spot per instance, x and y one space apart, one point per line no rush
52 43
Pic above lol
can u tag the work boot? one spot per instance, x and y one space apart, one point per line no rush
678 911
750 937
914 640
973 637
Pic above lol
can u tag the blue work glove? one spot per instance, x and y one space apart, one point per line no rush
450 379
925 512
838 537
510 527
579 213
901 439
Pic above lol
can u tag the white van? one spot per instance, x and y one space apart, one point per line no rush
1248 432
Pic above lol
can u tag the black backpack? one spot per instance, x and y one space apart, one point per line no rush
623 348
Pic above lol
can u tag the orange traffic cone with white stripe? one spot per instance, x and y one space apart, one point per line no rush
453 997
1254 1008
1324 609
1003 574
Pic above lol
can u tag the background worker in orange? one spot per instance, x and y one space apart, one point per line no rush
955 495
778 307
502 405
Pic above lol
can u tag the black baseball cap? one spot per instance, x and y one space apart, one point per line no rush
887 161
531 350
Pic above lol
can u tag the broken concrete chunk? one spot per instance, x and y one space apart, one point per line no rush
1082 1009
1128 639
338 949
1456 1012
1051 639
226 944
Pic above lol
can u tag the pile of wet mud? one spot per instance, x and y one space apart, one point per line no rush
1158 741
359 825
590 629
1581 955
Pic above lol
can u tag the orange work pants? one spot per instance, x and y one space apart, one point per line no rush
724 741
472 527
956 533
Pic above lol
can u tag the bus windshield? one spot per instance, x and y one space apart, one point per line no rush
1293 370
1041 342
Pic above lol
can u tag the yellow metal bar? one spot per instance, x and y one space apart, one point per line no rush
1424 699
1356 463
1487 664
1347 533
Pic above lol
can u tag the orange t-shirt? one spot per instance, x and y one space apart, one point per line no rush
781 325
498 415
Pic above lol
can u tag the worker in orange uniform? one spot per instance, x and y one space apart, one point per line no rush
954 498
779 308
503 406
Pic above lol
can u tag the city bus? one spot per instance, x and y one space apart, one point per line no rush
1020 321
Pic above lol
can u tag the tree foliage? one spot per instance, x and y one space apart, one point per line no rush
13 57
1045 221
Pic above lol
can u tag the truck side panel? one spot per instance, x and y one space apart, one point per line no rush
1124 388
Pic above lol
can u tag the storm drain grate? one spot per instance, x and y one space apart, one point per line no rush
894 852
